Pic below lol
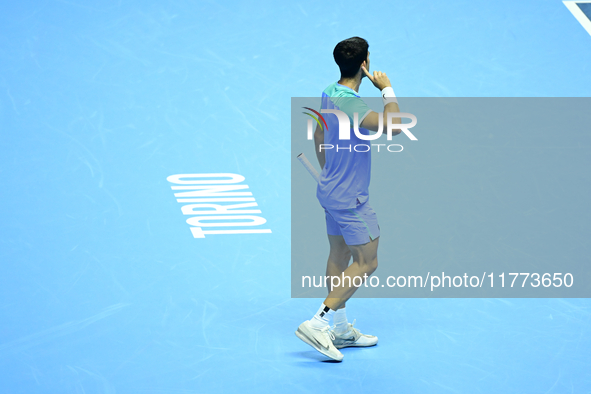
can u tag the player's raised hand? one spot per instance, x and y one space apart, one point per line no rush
379 79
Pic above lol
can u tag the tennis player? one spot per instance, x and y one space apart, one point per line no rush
351 223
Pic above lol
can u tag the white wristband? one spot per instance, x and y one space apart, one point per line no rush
389 96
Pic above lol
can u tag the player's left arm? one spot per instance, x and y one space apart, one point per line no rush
372 120
319 139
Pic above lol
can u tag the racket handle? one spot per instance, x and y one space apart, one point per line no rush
304 160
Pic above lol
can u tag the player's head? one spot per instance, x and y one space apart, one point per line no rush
350 55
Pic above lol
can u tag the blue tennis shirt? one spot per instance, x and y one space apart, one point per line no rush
344 180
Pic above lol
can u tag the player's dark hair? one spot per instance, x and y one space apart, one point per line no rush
349 54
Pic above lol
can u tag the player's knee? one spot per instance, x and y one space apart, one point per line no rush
372 266
369 266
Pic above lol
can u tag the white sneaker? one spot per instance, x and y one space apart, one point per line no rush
353 337
320 340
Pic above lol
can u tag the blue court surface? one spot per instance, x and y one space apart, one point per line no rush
105 289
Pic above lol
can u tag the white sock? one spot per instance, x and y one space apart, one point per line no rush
340 321
322 318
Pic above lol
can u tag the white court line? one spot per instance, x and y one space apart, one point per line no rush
576 11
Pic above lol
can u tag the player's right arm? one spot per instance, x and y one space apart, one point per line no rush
371 122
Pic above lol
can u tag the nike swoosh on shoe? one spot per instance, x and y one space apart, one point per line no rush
320 345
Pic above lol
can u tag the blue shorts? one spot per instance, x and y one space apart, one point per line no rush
357 226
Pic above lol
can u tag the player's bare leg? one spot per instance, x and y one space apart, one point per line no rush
365 262
338 258
338 261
